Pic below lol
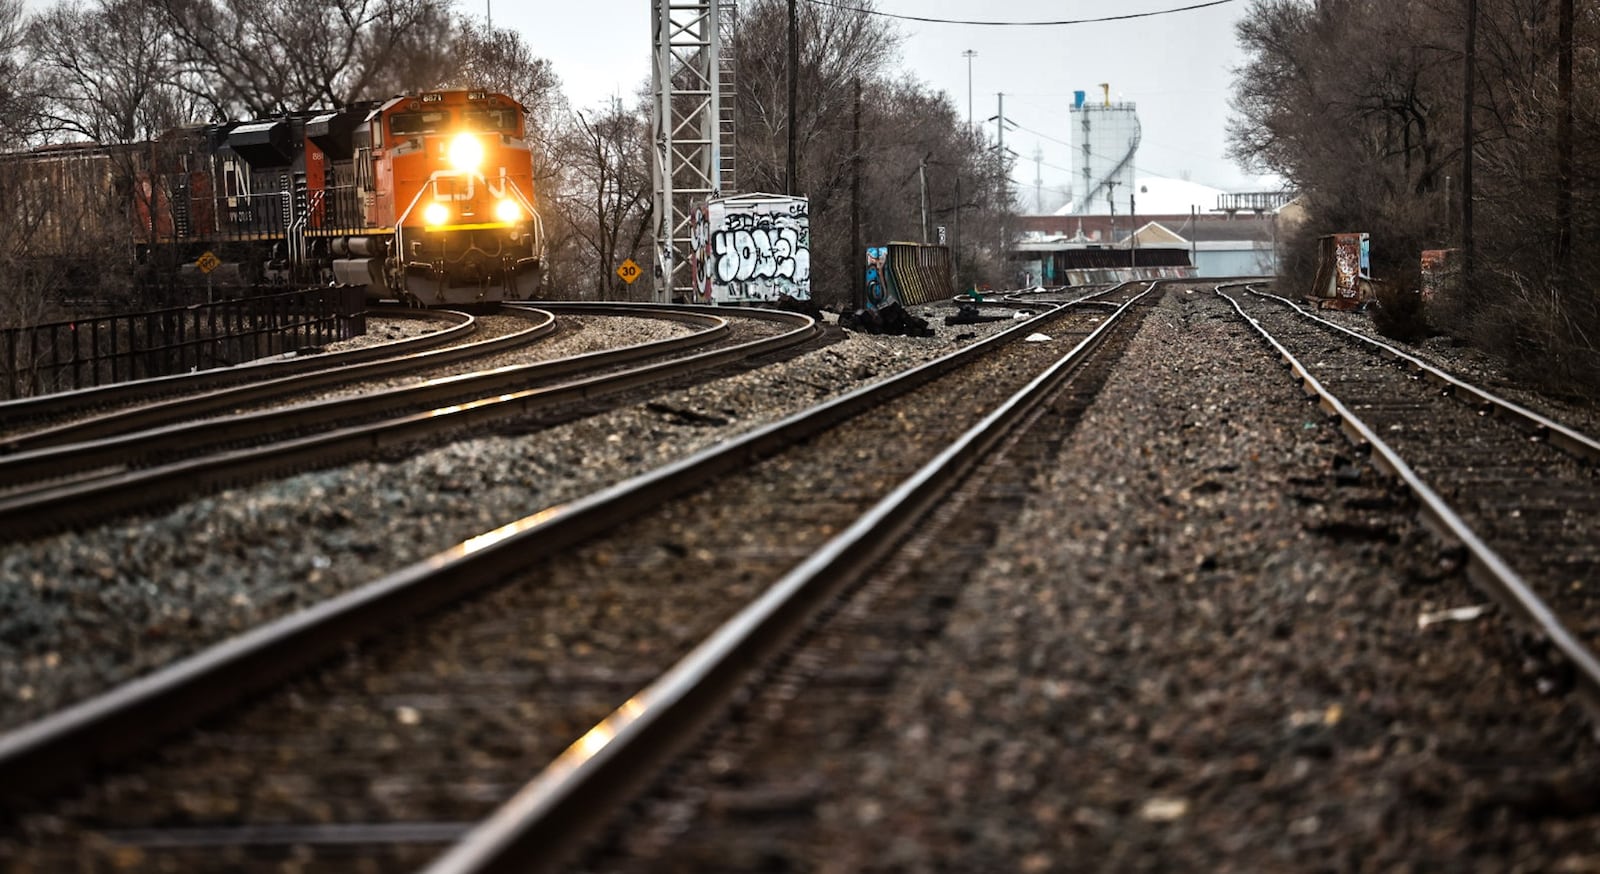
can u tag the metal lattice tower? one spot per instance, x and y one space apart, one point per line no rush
692 126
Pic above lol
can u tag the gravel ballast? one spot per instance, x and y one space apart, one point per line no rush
1196 652
1211 641
81 611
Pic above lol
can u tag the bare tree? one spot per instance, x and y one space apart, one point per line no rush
499 60
110 69
606 203
20 116
1359 103
263 58
837 48
25 293
904 126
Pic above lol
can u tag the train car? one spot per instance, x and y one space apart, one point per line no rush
424 198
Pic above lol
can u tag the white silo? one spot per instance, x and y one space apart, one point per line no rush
1105 140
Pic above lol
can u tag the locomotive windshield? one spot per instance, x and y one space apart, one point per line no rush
492 120
429 122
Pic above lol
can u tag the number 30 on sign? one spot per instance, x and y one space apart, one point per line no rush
629 271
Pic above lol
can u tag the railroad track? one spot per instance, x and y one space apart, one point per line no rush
58 406
55 487
1519 493
234 398
405 744
752 788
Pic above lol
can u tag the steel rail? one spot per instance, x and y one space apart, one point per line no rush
37 757
77 400
1571 441
193 406
25 514
130 450
1485 567
581 790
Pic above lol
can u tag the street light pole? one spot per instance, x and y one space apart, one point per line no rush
969 54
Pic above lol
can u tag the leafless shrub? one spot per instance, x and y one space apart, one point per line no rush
1358 103
1397 310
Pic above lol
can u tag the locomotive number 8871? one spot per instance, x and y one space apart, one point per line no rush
447 183
425 198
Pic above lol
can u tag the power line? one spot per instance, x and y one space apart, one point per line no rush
845 8
1138 168
1060 142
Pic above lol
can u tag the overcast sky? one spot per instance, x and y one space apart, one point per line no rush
1177 68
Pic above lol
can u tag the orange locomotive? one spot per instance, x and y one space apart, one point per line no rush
427 199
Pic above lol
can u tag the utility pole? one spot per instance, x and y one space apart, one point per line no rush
922 182
1005 188
1038 179
1133 234
1194 250
969 54
1111 201
1564 151
1470 75
790 184
955 244
858 279
1000 124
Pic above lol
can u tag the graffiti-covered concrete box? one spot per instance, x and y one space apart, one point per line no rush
752 247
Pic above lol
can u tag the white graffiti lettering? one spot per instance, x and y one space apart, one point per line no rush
751 252
761 253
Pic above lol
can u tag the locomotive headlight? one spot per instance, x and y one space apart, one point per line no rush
466 152
507 211
435 214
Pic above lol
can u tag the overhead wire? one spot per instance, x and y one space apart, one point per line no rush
931 20
1059 23
1137 168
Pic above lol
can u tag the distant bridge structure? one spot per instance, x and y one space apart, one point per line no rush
1258 202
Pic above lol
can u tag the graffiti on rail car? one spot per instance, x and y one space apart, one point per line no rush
877 267
1344 270
754 247
908 274
1441 270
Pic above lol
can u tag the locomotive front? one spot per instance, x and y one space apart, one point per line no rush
453 177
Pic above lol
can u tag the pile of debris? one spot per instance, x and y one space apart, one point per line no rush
967 314
891 318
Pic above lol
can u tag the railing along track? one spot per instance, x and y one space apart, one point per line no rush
195 406
59 404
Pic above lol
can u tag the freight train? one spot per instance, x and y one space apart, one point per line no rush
424 198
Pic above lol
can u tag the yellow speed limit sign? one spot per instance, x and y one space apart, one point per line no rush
629 271
207 262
